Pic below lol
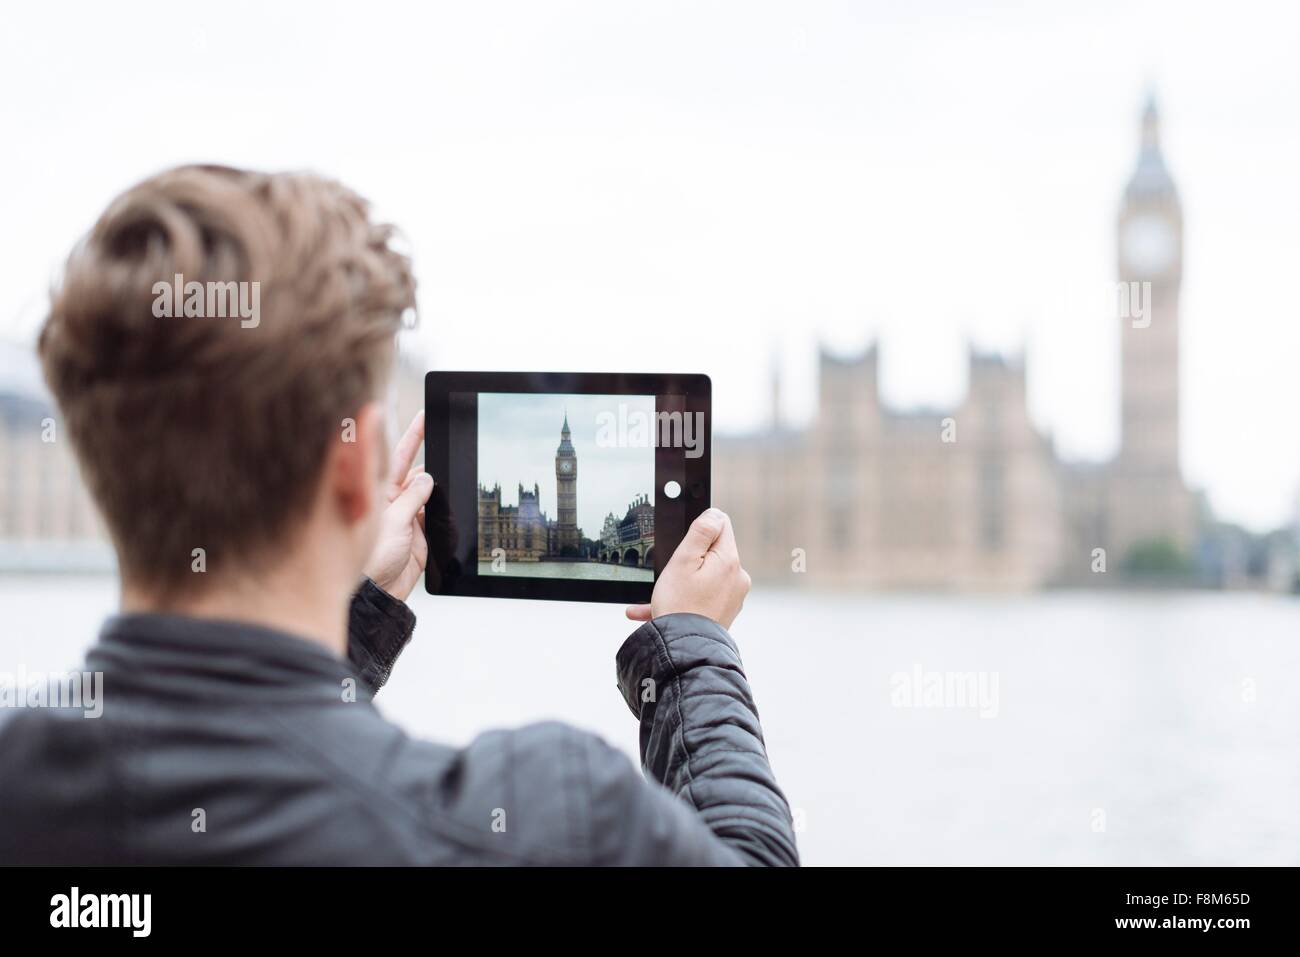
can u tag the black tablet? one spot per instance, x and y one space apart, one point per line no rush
561 485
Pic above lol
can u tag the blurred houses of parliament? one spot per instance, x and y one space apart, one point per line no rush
47 521
869 496
975 497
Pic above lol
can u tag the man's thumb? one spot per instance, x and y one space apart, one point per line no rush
704 531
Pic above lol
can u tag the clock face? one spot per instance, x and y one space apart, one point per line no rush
1148 245
566 466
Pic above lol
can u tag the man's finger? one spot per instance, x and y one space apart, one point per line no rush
419 545
407 448
638 612
396 490
408 504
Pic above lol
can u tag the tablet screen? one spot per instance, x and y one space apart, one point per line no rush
565 485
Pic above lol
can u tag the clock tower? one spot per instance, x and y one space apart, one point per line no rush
1150 500
568 540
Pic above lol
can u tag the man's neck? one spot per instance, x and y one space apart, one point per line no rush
285 600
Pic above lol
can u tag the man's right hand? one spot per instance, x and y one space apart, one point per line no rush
703 577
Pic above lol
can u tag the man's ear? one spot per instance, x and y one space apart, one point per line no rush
357 464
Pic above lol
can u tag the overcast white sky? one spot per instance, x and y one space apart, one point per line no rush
701 186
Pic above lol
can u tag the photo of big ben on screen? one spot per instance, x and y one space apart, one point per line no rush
578 509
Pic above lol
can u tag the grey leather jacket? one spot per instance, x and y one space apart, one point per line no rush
224 743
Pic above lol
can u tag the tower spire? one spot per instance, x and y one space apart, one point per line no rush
1151 123
1150 179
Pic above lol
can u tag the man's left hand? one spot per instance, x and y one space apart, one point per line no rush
401 551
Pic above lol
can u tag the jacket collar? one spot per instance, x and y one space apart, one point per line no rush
211 659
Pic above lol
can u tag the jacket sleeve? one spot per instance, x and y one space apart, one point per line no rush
700 738
379 626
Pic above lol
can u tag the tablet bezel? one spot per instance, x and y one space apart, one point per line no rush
688 393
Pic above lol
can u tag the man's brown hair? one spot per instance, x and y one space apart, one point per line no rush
211 432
